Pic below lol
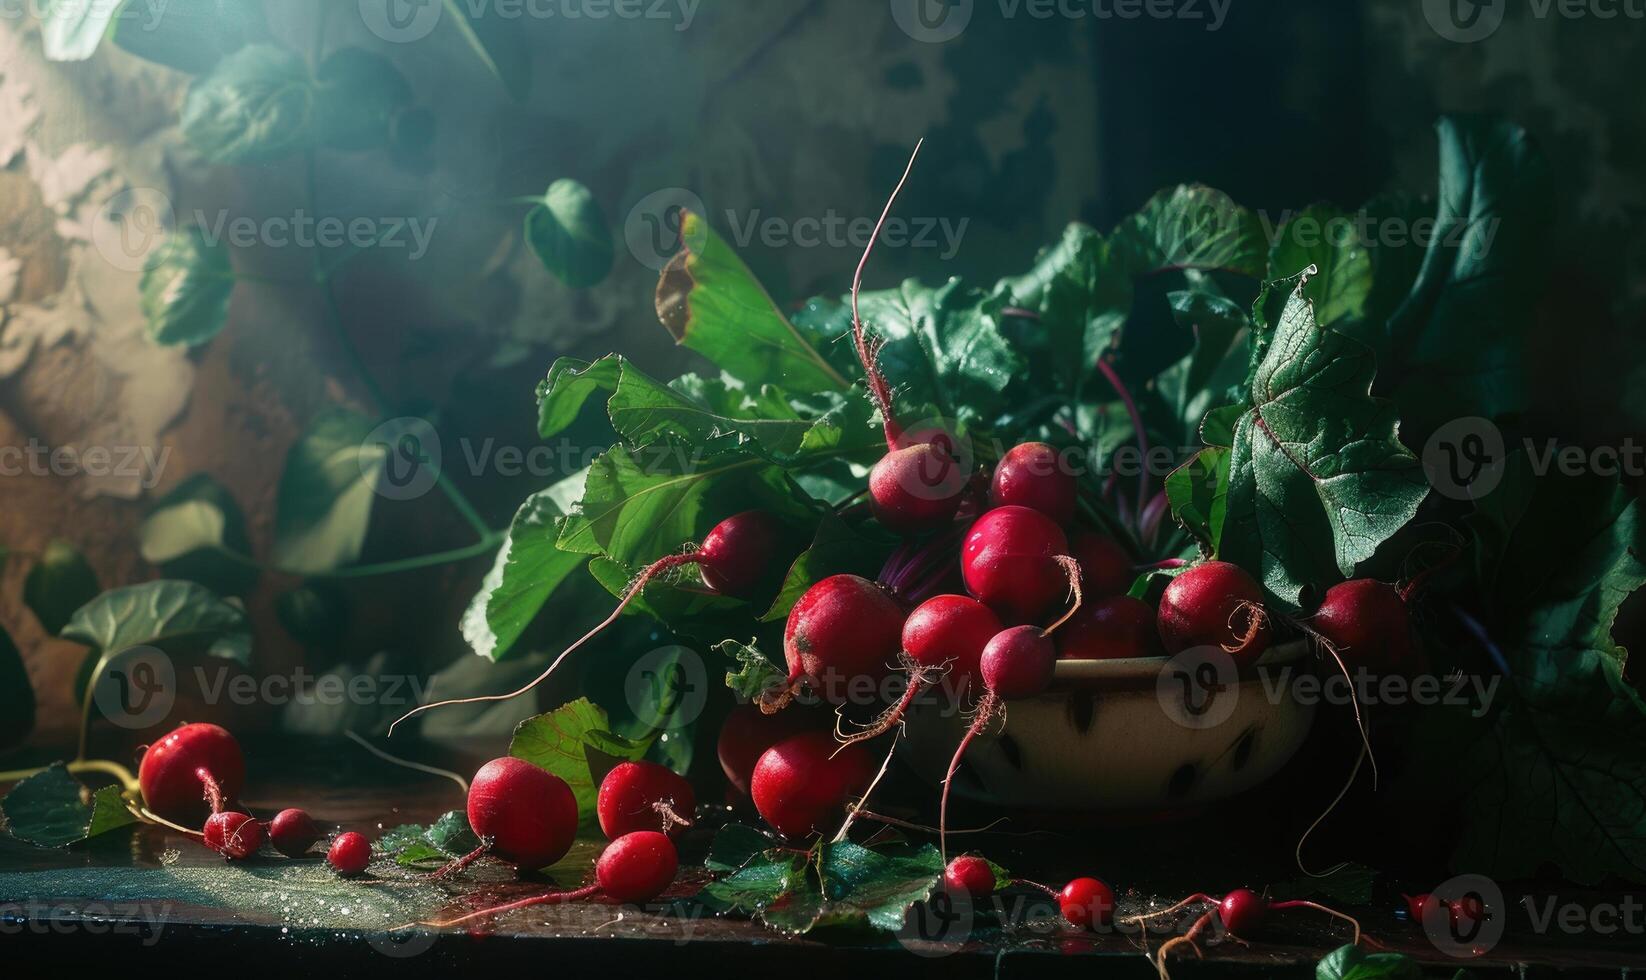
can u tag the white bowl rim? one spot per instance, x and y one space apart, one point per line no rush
1134 669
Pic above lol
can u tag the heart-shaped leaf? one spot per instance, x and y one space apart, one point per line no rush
1318 477
567 232
256 104
60 582
170 614
326 494
186 285
48 810
193 531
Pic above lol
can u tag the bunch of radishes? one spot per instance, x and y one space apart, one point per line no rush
196 773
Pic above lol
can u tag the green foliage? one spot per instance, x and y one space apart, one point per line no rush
527 570
575 742
186 285
52 809
190 35
59 583
1354 963
499 44
256 104
326 494
172 615
1192 227
431 847
567 232
192 532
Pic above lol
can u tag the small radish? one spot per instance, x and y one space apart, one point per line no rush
1214 604
637 867
1034 475
843 629
736 554
739 553
1105 567
638 796
748 732
349 854
1018 663
529 814
1242 912
917 486
1115 627
970 875
1086 903
944 633
169 774
292 832
234 835
1366 622
800 784
1012 561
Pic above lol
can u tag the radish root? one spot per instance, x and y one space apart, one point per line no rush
868 352
659 567
1256 618
987 708
1071 568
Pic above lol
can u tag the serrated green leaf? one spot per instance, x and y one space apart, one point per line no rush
1192 227
1083 294
1456 343
1329 239
561 741
48 810
762 884
60 582
1318 478
752 673
734 846
418 846
710 301
256 104
188 531
567 232
570 384
879 885
186 286
327 490
529 567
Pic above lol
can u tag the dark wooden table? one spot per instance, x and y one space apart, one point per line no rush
95 904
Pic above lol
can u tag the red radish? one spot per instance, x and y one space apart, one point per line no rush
529 814
1367 623
349 854
234 835
637 867
1105 567
735 553
1034 475
1108 629
1242 912
638 796
1214 604
1010 562
917 488
1018 663
971 875
801 784
739 553
169 773
843 628
292 832
1087 903
748 732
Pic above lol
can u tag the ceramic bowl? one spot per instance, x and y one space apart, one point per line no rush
1144 737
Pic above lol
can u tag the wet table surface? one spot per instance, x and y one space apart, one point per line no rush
89 905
